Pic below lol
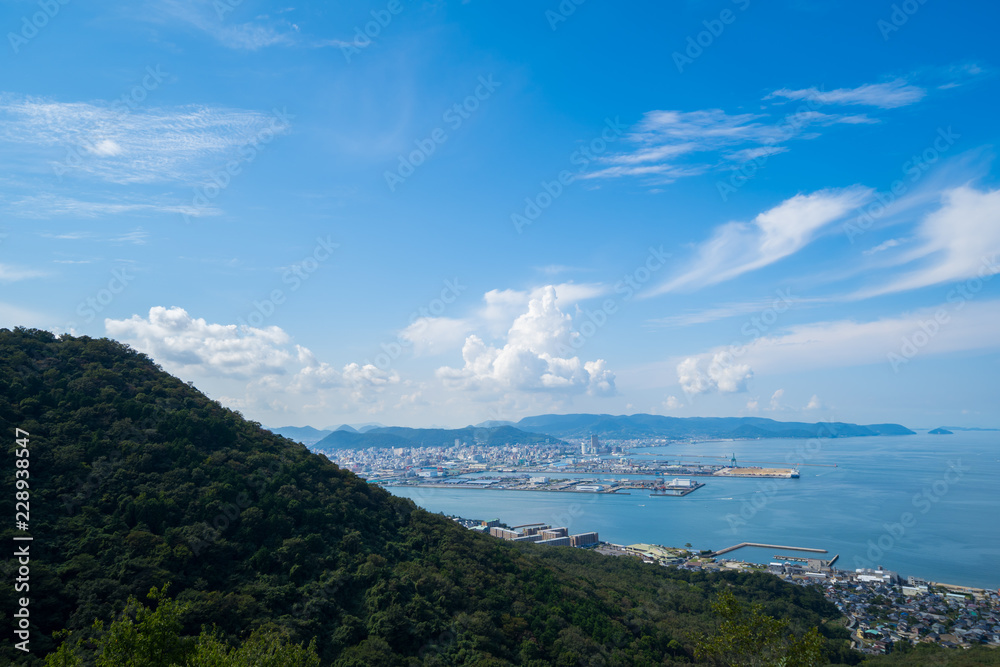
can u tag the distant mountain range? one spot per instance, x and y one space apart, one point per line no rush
400 436
308 435
653 426
531 430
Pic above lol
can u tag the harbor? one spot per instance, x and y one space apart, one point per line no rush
675 488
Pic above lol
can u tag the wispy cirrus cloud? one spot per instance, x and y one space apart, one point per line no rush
10 273
736 248
667 145
220 21
671 144
958 241
889 95
839 344
46 206
148 145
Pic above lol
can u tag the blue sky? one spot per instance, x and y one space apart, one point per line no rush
440 213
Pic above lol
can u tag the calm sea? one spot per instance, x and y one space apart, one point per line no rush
922 505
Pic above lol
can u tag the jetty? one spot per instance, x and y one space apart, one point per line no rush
766 546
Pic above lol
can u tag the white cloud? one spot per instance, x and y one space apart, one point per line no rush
881 247
888 95
959 241
145 146
672 403
717 372
10 273
179 341
536 356
776 400
223 26
736 248
435 335
276 368
968 325
814 403
672 144
45 206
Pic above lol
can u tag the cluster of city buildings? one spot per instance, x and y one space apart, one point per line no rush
883 608
416 462
884 612
538 533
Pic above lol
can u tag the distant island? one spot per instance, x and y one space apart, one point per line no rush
652 426
940 431
554 428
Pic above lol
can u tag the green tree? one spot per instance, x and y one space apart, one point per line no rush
747 637
144 637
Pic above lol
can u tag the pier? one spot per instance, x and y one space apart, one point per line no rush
766 546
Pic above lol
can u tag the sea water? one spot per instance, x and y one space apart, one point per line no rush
922 505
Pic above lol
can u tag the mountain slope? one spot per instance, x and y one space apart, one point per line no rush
138 480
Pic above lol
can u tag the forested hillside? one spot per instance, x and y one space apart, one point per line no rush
138 480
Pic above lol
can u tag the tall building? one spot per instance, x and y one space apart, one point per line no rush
593 443
583 539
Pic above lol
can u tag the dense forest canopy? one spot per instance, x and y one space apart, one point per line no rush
139 482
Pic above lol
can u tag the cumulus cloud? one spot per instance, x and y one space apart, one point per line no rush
537 356
671 403
718 372
188 346
814 403
738 247
175 339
